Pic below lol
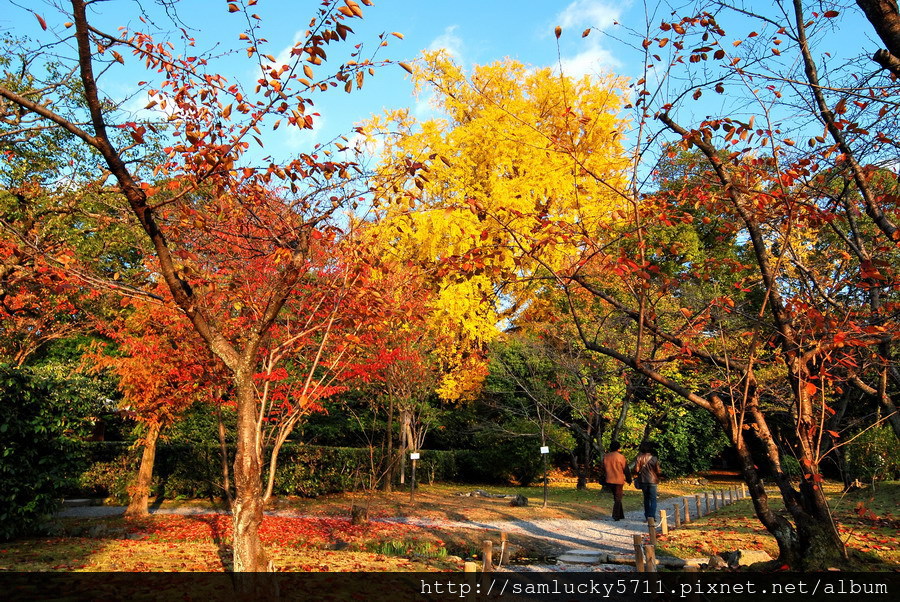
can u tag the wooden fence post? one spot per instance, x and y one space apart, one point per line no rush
504 548
697 504
687 511
487 556
676 510
706 501
664 521
639 553
650 558
651 528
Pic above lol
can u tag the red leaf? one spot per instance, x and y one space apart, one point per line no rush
41 21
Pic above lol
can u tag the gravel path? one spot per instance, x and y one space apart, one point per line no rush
601 534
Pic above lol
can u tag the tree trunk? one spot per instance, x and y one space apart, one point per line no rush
388 483
580 471
885 18
140 489
223 448
249 554
623 413
811 542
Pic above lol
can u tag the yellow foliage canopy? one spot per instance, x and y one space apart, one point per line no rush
517 161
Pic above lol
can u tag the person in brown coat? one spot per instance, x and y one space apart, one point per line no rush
614 475
646 468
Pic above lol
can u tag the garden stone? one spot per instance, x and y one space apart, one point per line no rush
745 557
716 562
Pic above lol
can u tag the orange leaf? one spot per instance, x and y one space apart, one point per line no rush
41 21
811 388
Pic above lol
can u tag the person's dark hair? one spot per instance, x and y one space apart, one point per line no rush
615 446
647 447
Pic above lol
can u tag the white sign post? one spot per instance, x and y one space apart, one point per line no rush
545 451
412 483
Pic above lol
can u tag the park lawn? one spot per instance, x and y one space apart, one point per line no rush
322 539
202 543
865 519
442 501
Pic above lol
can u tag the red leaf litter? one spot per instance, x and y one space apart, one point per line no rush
277 530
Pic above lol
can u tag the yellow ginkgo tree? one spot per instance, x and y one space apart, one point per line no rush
517 165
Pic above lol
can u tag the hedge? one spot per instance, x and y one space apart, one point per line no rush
37 460
194 470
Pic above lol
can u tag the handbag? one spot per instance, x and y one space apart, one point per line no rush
638 481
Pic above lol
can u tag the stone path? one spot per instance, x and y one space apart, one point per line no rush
585 545
582 543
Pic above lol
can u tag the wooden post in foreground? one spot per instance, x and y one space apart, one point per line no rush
650 558
664 521
706 501
639 553
687 511
504 548
697 504
677 514
651 528
487 556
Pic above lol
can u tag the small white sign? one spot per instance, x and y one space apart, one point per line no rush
414 456
545 449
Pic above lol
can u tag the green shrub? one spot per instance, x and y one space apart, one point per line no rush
37 462
194 470
505 457
108 479
690 441
874 455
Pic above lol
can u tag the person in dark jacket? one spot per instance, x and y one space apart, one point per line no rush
646 476
614 475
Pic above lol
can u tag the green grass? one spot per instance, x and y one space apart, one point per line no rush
865 519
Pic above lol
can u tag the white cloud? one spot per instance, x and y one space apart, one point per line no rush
449 42
303 140
590 13
594 60
164 110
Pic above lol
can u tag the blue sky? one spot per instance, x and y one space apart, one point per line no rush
475 31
